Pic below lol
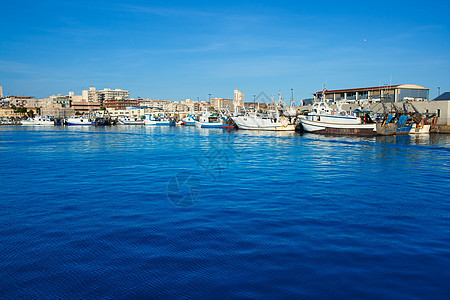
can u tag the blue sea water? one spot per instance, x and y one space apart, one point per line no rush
131 212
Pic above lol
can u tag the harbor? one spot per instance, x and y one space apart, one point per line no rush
383 110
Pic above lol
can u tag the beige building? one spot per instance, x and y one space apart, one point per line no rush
219 103
238 98
22 101
9 113
94 95
82 106
134 112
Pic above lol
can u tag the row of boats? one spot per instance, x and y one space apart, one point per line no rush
323 119
320 119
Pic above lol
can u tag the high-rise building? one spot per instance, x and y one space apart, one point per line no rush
94 95
238 100
219 103
1 91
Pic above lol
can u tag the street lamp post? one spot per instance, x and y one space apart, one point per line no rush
439 91
292 99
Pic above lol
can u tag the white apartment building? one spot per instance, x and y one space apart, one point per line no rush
238 98
94 95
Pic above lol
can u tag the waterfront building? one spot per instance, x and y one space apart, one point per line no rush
61 101
193 106
22 101
238 100
219 103
442 106
8 112
132 112
94 95
390 93
153 103
119 104
84 107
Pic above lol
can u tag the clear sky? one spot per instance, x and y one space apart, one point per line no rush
187 49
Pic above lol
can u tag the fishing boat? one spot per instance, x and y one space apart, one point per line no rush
8 121
213 120
38 121
258 122
403 127
158 120
420 123
280 119
420 128
130 120
323 119
80 121
188 120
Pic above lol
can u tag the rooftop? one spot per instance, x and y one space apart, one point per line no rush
444 97
384 87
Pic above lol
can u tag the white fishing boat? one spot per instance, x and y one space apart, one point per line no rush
38 121
158 120
258 122
213 120
420 124
420 128
125 120
80 121
281 118
188 120
326 120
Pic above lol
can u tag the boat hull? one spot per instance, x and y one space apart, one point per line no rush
38 122
79 122
420 130
386 129
268 128
403 130
129 121
213 125
159 123
262 124
339 129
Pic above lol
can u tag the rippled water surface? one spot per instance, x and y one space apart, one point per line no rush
187 213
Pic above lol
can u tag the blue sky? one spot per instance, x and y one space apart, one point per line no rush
187 49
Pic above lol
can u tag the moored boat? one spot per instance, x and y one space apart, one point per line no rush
125 120
420 128
188 120
79 121
211 120
38 121
281 118
323 119
257 122
158 120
